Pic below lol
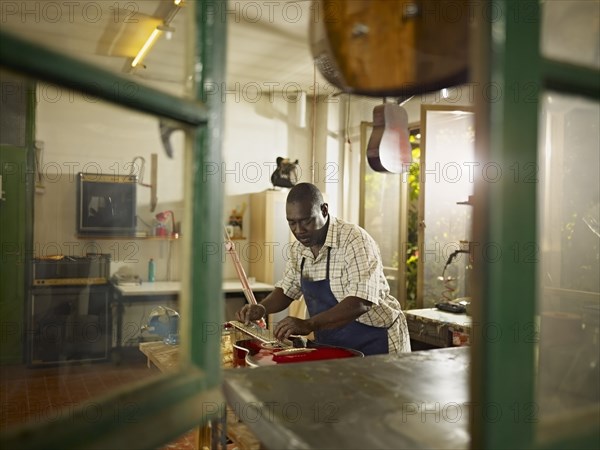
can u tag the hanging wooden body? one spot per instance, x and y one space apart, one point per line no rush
389 148
391 47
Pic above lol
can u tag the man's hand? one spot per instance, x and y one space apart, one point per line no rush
274 302
292 325
251 313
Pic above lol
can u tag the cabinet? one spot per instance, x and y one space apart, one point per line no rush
269 239
68 324
269 235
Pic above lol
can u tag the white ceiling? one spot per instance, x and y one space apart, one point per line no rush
268 43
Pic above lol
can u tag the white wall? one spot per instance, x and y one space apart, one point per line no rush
252 143
256 133
84 134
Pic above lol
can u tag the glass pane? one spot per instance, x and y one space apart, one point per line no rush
386 197
569 238
382 220
571 31
94 299
447 174
110 34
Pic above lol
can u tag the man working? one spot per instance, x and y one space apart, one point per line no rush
338 269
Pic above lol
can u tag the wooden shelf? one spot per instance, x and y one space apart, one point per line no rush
93 237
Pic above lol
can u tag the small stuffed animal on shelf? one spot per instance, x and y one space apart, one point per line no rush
236 222
286 173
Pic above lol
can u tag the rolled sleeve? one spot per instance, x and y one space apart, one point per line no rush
290 283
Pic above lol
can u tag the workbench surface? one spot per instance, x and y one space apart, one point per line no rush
416 400
438 328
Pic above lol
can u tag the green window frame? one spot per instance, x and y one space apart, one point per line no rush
193 393
503 360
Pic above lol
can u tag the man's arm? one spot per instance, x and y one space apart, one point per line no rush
341 314
349 309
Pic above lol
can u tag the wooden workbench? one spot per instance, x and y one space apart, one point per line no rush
438 328
166 358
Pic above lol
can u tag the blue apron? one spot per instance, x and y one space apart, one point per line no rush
355 335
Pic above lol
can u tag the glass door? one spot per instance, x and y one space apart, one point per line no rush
446 181
387 200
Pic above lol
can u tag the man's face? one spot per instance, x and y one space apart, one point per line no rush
307 222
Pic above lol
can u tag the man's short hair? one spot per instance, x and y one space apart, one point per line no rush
305 192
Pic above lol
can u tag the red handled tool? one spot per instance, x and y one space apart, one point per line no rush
230 247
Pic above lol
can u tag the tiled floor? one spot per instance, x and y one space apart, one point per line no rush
43 394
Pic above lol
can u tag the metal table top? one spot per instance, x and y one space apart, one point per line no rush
417 400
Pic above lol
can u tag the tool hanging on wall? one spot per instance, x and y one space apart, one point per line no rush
230 248
153 177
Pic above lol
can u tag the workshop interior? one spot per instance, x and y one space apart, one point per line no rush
147 150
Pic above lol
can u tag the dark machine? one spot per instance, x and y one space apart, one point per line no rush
69 310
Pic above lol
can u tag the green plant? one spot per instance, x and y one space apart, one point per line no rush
412 250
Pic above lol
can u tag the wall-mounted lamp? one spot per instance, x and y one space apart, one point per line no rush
177 4
146 47
168 30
